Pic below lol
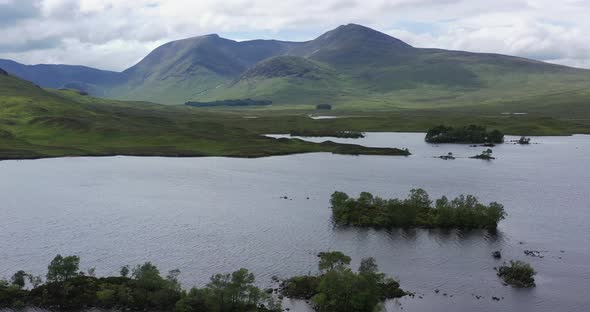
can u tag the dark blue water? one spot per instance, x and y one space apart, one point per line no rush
208 215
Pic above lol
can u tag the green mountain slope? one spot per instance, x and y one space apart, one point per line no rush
351 67
36 122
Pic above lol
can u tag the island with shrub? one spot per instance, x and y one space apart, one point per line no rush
417 210
518 274
472 134
339 288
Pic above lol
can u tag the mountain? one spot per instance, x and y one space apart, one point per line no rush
60 76
351 67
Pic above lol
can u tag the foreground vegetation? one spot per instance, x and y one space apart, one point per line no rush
518 274
336 289
471 134
139 288
339 289
415 211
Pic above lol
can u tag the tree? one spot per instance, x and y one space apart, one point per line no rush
330 261
19 279
124 271
368 266
518 274
63 268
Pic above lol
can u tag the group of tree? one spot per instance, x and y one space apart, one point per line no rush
472 134
339 289
138 288
485 155
417 210
328 133
518 274
231 103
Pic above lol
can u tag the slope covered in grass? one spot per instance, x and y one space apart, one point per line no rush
351 67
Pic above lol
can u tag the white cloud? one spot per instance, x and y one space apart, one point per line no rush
114 34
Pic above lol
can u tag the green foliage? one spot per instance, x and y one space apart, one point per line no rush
471 134
416 210
63 268
124 271
19 279
524 140
486 155
518 274
301 287
230 103
332 260
145 290
339 289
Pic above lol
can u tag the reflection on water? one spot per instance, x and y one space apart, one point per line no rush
209 215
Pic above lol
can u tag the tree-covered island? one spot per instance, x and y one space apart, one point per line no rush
417 210
472 134
338 288
518 274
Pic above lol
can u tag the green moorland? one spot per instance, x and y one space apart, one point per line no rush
36 122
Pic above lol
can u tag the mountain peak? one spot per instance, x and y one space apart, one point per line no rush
362 33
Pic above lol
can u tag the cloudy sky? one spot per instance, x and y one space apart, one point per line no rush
115 34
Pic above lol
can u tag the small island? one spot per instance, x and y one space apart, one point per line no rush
518 274
338 288
328 133
485 155
524 141
472 134
416 210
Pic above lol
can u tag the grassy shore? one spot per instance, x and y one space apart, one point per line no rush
36 123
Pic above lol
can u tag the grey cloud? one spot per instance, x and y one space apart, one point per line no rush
11 13
31 45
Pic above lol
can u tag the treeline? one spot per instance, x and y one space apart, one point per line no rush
416 210
328 133
242 102
471 134
338 288
138 288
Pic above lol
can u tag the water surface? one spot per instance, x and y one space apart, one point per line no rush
208 215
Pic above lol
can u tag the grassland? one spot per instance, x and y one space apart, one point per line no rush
36 122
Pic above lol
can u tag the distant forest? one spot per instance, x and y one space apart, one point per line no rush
243 102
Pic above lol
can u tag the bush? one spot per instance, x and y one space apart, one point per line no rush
471 134
518 274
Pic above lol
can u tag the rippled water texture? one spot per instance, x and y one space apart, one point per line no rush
208 215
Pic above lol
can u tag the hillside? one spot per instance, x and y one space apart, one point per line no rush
351 67
36 123
60 76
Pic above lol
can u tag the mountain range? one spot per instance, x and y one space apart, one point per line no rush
351 67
